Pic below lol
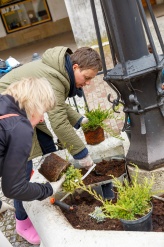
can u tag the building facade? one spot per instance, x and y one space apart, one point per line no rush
25 21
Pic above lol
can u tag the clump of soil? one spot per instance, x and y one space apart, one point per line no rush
86 204
90 136
52 167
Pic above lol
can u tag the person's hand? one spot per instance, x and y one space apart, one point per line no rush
84 121
5 207
57 186
86 162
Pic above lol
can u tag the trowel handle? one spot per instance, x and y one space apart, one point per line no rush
61 204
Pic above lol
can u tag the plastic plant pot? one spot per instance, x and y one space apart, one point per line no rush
105 190
142 224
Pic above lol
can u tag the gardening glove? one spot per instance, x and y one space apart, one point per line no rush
57 186
84 121
5 207
86 162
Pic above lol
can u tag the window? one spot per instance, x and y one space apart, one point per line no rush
23 14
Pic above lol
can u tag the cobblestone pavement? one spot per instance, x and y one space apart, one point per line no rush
7 226
96 94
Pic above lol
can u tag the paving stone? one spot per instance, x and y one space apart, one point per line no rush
1 223
9 227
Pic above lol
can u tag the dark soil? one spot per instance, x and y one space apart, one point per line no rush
86 204
104 170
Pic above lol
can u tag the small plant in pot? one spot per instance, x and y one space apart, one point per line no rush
94 128
133 206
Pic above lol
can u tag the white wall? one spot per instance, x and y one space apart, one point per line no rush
2 29
80 15
57 9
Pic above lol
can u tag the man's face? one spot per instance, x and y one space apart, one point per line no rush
83 77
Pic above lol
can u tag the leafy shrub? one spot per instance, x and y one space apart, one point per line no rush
72 174
96 118
133 198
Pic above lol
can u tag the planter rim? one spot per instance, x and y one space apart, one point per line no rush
109 180
60 194
117 157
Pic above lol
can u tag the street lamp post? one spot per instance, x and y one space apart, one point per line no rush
136 77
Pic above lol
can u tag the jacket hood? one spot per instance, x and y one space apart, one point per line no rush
8 106
54 57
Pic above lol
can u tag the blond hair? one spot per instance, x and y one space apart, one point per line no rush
34 95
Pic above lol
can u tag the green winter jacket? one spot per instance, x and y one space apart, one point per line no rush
63 117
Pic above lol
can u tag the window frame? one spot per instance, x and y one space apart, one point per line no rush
11 7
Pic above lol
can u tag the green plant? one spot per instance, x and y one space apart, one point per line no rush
133 199
72 174
96 119
98 215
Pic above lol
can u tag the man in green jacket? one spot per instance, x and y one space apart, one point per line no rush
68 73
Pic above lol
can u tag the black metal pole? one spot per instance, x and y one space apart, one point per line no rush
98 36
126 28
85 100
137 78
109 39
148 31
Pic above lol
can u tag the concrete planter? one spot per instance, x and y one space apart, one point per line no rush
54 229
